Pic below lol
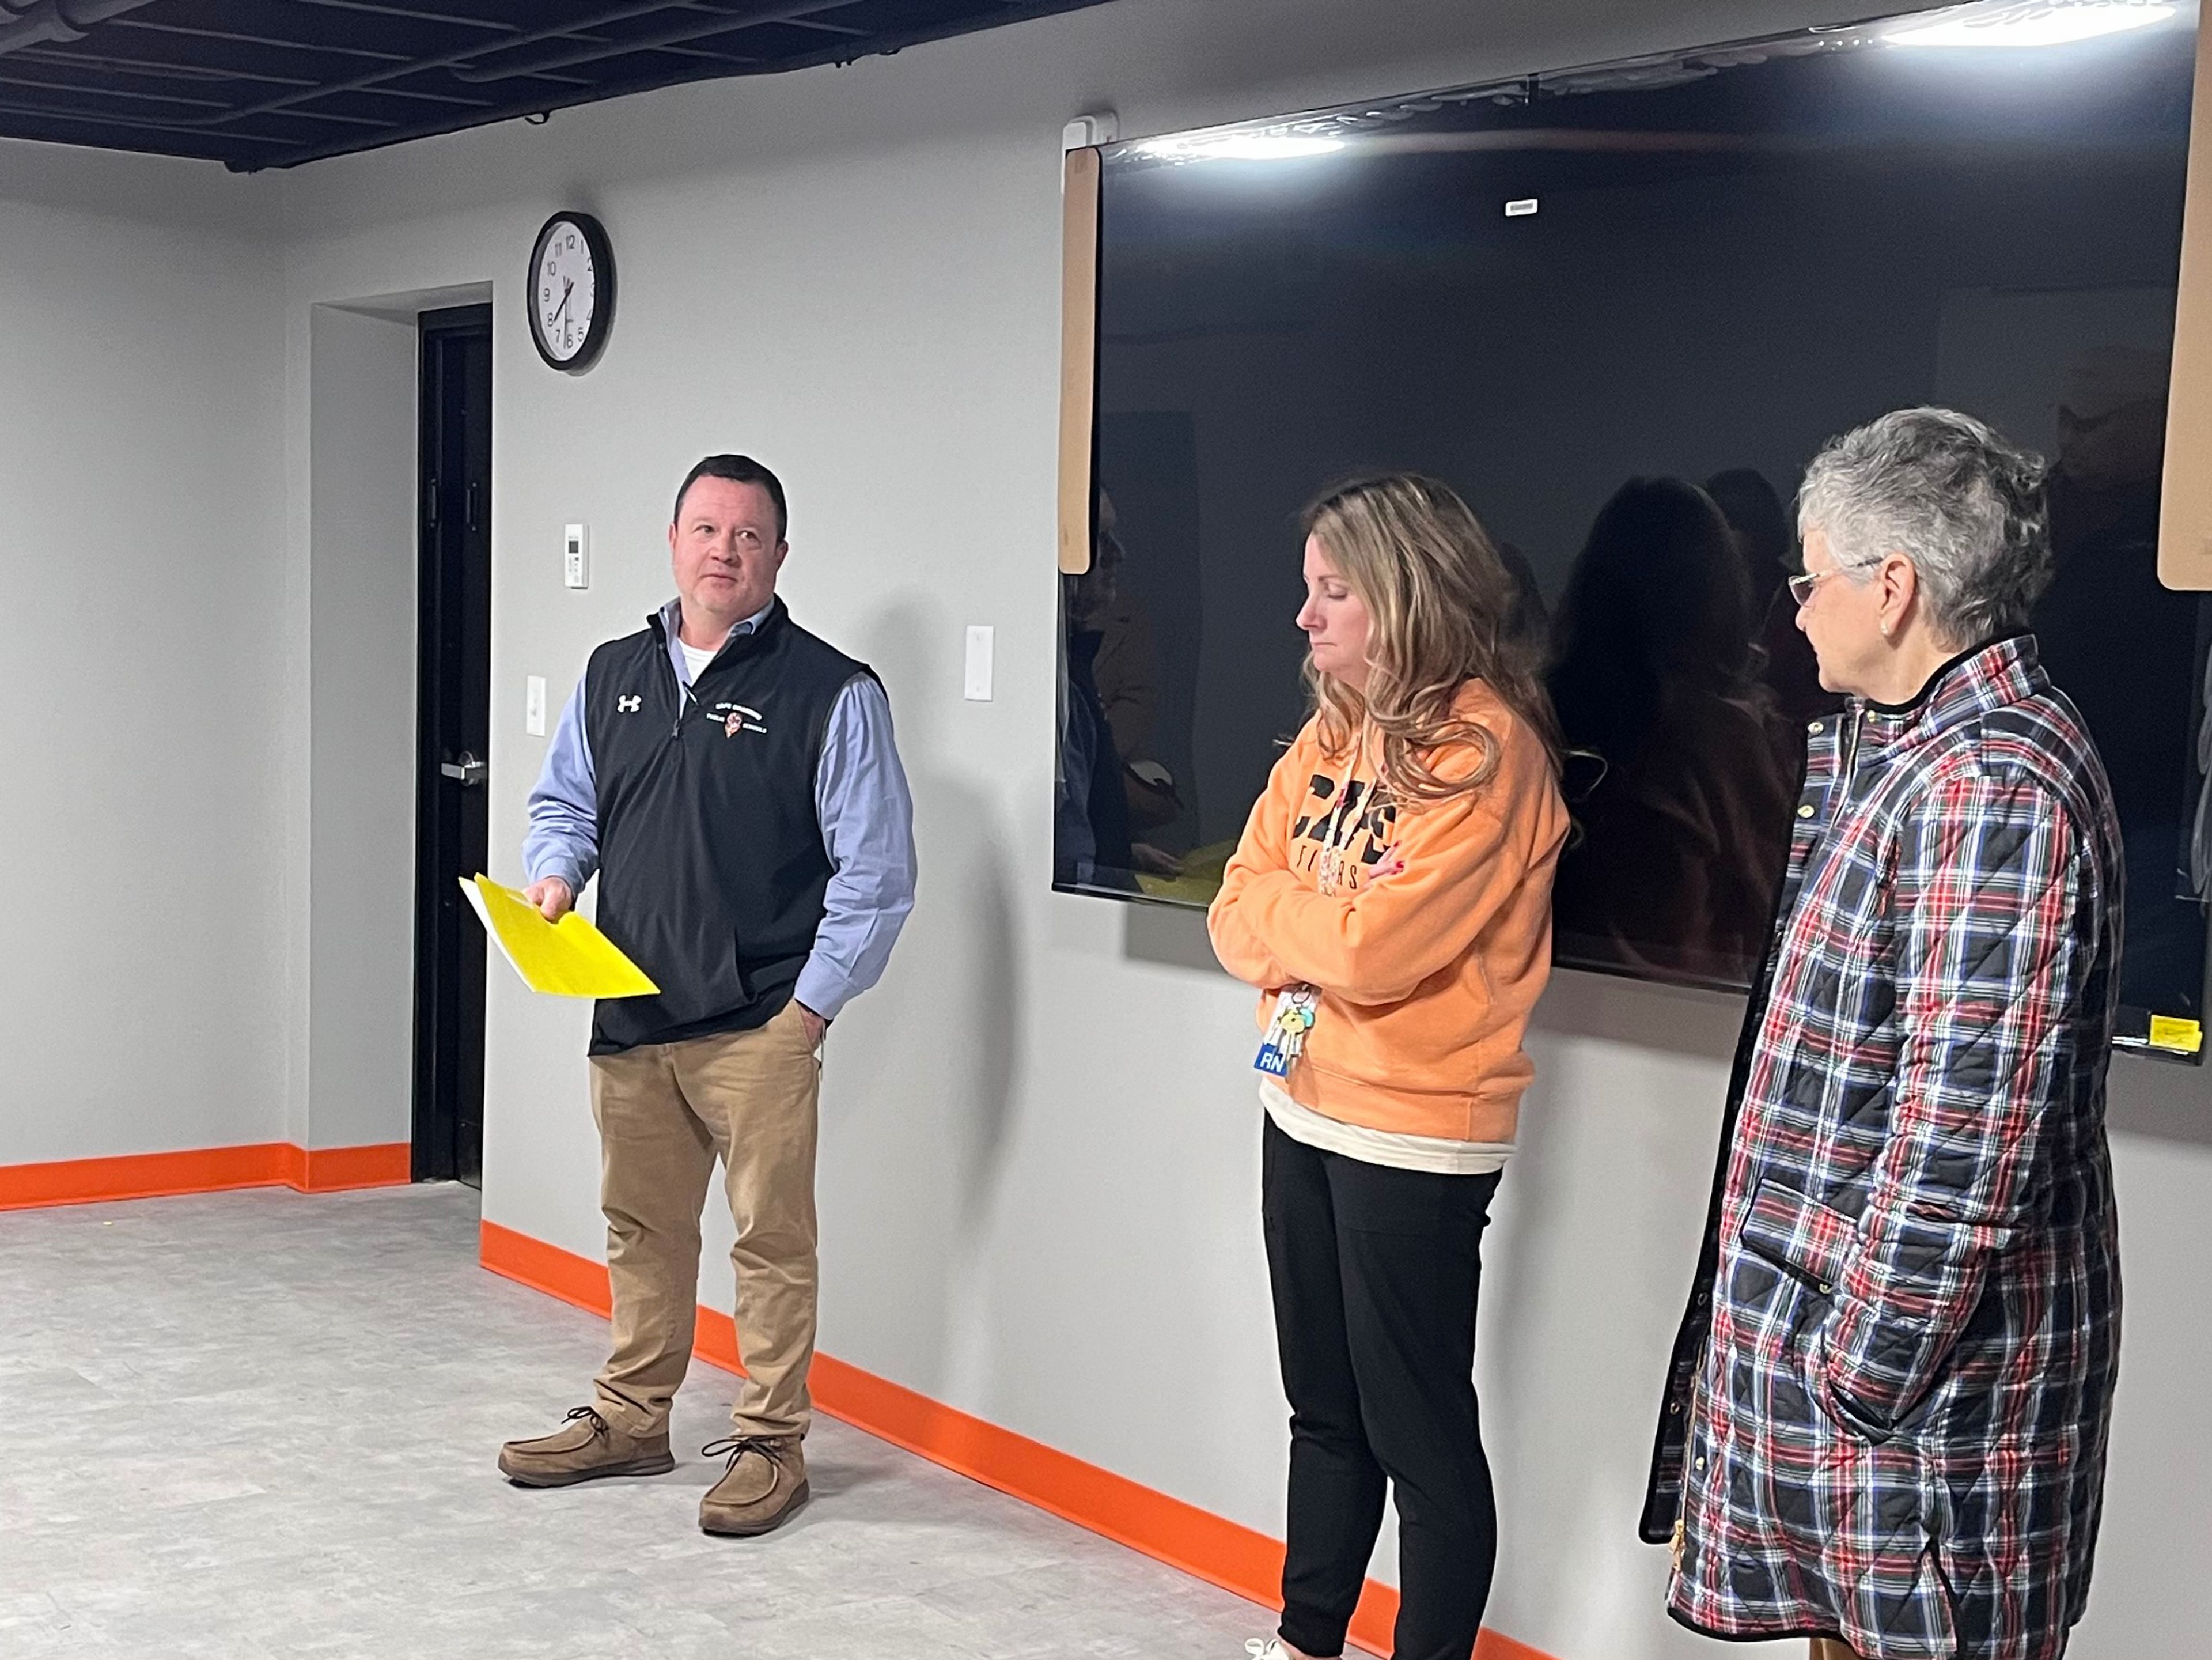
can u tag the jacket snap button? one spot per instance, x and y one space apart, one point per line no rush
1701 1463
1814 728
1805 811
1673 1407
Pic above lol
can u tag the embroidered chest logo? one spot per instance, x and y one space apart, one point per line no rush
630 705
736 718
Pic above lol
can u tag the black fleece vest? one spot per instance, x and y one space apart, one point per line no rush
712 869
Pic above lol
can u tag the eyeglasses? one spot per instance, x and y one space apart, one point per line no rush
1802 584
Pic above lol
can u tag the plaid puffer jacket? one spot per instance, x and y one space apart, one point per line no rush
1886 1416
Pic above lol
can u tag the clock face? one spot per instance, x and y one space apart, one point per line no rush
571 290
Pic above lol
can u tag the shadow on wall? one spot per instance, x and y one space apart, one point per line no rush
1171 937
2157 1098
1596 1237
921 1093
1673 1019
2162 1099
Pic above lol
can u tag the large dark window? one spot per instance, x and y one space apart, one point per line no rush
1620 308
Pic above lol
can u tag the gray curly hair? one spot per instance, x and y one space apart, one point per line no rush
1943 489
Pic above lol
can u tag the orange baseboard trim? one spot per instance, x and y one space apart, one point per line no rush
1211 1548
578 1281
339 1170
203 1170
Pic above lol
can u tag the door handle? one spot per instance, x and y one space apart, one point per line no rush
468 770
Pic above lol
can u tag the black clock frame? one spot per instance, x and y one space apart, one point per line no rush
603 309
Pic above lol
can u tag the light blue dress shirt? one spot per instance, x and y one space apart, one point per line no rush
861 797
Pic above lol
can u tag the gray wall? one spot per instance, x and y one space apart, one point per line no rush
207 605
141 661
360 479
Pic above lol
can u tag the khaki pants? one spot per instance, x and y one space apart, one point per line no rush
665 1112
1827 1648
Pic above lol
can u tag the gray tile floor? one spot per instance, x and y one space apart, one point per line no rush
259 1425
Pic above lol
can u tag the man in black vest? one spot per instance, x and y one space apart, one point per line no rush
733 781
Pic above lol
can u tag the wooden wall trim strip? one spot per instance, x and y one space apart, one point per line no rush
1079 355
2185 525
1209 1546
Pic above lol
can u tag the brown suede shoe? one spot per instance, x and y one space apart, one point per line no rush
584 1449
762 1489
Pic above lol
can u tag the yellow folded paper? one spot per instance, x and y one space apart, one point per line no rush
2169 1031
566 958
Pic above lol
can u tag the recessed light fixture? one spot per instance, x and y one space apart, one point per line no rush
2031 23
1241 146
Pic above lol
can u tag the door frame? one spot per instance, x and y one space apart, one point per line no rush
435 1116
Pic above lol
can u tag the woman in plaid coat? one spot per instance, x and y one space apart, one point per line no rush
1886 1423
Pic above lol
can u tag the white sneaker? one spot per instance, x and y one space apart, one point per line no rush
1266 1648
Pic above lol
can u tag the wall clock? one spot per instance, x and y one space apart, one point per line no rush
572 290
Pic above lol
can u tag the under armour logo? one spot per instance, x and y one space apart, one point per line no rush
630 705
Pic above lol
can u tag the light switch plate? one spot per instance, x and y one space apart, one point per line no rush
533 705
979 663
576 555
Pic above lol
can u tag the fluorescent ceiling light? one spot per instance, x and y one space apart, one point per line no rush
1241 146
2034 23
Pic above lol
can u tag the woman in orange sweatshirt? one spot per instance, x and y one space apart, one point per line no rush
1391 899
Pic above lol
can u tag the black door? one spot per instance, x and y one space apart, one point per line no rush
453 725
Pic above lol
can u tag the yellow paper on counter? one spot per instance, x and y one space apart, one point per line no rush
566 958
2170 1032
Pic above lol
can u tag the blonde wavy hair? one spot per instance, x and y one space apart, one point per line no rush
1441 605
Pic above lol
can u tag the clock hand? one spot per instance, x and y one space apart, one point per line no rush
568 288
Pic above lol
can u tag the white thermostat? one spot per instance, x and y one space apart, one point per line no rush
575 556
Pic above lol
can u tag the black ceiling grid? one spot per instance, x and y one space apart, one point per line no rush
271 83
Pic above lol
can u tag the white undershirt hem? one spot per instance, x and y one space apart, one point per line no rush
1434 1154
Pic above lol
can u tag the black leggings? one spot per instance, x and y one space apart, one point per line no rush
1376 1273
